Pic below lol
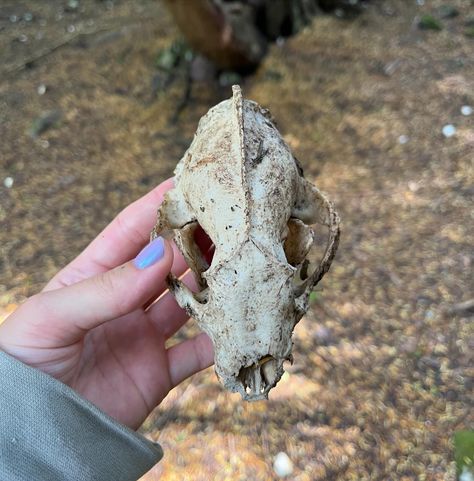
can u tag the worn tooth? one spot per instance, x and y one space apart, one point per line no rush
269 371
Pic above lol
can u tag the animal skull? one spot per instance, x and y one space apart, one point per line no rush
239 181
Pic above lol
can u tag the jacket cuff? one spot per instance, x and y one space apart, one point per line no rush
48 432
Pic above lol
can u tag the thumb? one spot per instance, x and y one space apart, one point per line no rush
65 315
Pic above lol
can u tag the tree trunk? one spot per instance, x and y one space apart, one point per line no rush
224 32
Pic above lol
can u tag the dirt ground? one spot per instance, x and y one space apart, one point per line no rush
383 372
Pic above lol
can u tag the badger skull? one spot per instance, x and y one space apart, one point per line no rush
239 181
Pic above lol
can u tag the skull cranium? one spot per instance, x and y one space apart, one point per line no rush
239 181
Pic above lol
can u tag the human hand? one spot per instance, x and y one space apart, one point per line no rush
96 327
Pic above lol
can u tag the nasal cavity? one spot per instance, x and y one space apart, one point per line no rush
204 243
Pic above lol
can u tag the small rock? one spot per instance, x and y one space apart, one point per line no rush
8 182
282 465
449 130
403 139
429 314
323 336
23 38
41 89
28 17
71 28
466 110
13 18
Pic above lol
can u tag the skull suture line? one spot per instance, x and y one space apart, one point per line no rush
239 181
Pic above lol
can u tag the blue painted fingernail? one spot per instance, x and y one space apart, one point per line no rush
150 254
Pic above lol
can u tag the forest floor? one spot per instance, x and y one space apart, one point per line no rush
383 371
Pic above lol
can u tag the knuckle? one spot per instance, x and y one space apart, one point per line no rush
126 227
37 313
38 304
110 290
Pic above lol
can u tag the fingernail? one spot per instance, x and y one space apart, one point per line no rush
150 254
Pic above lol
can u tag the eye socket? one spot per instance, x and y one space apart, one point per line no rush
198 250
298 241
204 243
304 248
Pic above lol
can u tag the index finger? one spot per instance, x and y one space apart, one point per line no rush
118 242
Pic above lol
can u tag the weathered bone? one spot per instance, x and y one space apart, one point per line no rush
239 181
184 239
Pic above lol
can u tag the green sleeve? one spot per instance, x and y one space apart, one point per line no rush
48 432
